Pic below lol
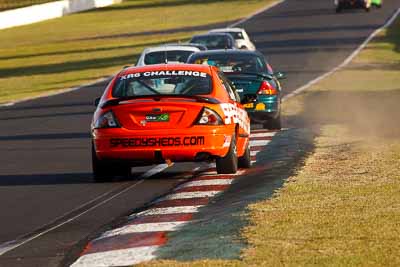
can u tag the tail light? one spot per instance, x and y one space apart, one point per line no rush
267 89
106 120
209 117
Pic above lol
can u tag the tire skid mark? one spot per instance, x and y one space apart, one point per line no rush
139 238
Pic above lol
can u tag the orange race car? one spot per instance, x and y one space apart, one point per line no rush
162 113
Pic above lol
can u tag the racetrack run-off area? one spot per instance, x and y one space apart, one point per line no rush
45 143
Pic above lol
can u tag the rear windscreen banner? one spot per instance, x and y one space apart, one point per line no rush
164 73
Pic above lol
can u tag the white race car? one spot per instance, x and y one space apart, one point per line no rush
242 39
166 54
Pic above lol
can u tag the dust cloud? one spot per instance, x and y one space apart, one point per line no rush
366 114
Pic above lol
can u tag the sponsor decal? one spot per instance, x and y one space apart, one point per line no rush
159 73
234 114
158 118
157 141
227 141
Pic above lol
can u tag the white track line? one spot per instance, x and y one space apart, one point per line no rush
254 153
8 246
206 182
259 142
157 169
144 228
270 134
168 210
346 61
187 195
121 257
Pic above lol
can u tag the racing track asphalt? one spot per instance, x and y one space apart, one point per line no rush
45 170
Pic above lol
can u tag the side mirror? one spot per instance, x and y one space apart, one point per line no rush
97 101
280 75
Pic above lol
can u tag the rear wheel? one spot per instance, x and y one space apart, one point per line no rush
273 124
101 170
104 171
229 163
245 160
338 8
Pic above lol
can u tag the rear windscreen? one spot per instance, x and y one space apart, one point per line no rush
232 63
169 82
162 57
212 41
236 35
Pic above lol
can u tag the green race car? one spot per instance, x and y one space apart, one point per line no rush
254 80
376 3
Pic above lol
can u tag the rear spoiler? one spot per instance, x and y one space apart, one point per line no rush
263 75
201 99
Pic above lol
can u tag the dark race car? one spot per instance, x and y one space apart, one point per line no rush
348 4
255 82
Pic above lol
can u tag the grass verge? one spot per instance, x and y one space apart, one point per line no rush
343 207
12 4
80 48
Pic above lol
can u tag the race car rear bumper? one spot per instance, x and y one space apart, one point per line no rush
264 109
353 3
142 146
263 116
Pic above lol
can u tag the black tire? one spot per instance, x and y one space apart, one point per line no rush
338 8
229 163
101 170
273 124
245 160
104 171
244 47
